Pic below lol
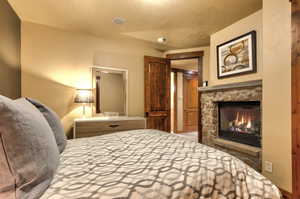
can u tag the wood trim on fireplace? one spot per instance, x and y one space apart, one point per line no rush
238 85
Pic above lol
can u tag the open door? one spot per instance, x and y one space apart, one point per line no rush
157 93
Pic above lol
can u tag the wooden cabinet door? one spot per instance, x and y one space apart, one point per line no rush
157 93
190 103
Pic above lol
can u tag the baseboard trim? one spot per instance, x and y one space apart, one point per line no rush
286 194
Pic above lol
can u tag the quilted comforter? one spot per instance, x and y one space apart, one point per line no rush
150 164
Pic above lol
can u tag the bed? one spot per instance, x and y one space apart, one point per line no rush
154 165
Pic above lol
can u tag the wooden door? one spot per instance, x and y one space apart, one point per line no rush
296 97
190 103
157 93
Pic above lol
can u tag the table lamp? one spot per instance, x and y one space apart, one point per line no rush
84 96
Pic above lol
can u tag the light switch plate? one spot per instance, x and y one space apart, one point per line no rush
268 166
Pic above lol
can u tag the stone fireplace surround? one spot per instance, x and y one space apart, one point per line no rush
210 96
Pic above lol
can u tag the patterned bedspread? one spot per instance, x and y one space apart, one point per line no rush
150 164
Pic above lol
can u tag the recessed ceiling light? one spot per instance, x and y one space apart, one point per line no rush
119 20
162 40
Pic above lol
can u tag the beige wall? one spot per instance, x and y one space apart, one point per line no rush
277 90
10 47
206 58
54 62
252 22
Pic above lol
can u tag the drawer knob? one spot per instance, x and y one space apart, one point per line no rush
114 125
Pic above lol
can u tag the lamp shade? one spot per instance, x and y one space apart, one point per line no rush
84 96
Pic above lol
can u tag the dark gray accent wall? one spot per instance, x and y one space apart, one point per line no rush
10 51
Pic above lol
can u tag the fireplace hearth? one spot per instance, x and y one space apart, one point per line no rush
240 122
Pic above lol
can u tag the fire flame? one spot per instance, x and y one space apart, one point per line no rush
249 125
243 119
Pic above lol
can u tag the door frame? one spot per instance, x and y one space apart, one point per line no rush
193 55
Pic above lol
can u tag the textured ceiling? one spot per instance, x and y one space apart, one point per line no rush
185 23
185 64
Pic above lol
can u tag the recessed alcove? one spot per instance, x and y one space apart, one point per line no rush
239 107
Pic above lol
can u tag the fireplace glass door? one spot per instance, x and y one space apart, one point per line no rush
240 122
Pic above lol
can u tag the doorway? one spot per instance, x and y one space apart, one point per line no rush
186 77
158 78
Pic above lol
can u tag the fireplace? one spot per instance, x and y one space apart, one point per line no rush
240 122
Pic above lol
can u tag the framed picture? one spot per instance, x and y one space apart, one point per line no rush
237 56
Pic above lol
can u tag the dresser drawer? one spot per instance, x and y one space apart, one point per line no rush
95 128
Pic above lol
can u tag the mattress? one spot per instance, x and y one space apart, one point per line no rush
152 164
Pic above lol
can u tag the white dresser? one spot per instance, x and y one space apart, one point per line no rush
95 126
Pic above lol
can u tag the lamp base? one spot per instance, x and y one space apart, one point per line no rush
83 113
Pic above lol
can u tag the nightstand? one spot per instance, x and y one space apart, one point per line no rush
95 126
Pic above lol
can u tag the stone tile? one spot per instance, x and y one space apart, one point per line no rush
210 118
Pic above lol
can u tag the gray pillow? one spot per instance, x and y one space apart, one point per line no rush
54 123
29 154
